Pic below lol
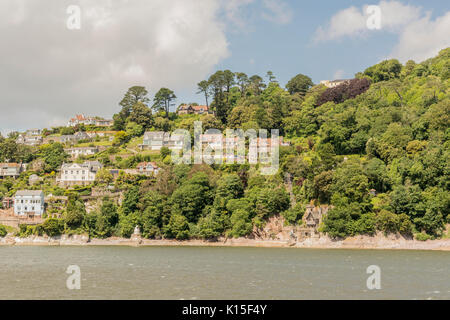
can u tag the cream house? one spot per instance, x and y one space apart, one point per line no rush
81 151
12 170
79 174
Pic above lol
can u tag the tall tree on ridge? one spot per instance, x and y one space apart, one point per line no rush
134 95
242 81
163 100
204 87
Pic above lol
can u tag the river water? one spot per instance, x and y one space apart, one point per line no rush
115 272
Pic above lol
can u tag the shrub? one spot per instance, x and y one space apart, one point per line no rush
241 223
422 236
3 231
53 227
293 215
178 227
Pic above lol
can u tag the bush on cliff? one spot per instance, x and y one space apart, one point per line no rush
3 231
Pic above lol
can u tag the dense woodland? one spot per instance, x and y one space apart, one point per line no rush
386 130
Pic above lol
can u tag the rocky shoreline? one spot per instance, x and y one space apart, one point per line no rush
359 242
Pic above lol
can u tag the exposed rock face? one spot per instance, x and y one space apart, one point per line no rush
275 228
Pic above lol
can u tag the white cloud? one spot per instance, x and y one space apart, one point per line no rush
49 73
353 21
419 36
277 11
423 39
234 11
347 22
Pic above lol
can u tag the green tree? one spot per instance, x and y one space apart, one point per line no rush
75 212
107 219
385 70
177 227
204 88
53 155
299 84
163 100
104 177
133 96
141 115
191 197
3 231
53 227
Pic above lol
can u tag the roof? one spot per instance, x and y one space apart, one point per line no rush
80 148
10 165
145 164
200 107
86 164
156 135
22 193
196 108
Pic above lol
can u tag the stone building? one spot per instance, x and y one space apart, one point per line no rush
311 221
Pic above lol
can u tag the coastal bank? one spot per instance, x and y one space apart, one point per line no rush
378 241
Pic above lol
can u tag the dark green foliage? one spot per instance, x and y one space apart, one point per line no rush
75 212
178 227
385 70
53 155
53 227
107 219
3 231
299 84
191 197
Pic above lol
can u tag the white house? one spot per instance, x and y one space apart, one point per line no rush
34 132
79 174
334 83
29 140
29 202
11 170
94 121
81 151
155 140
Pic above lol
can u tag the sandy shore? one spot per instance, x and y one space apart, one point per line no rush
359 242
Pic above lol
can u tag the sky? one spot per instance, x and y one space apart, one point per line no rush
50 71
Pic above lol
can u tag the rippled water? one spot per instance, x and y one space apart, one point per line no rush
221 273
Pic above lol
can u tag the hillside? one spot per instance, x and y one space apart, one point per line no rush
374 150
